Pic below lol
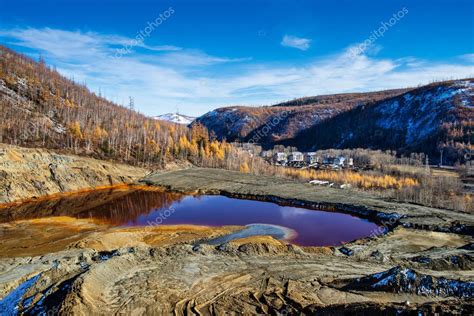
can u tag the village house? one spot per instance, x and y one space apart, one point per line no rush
267 154
311 158
296 156
351 162
280 158
339 161
328 161
298 159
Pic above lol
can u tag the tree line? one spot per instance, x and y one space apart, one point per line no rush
41 108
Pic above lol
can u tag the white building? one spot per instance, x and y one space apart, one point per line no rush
339 161
280 158
296 156
351 162
311 158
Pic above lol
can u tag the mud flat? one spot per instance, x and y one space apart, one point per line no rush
423 264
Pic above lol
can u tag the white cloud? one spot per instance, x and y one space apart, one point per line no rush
70 43
198 82
468 57
196 58
296 42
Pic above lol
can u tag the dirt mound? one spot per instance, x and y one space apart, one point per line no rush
27 173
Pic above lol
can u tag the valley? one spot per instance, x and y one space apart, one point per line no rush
330 205
429 119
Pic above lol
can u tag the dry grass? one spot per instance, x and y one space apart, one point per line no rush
418 171
356 179
444 173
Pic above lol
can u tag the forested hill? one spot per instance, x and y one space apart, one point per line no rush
286 120
41 108
430 119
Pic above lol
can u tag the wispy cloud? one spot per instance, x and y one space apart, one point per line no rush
62 43
197 82
196 58
296 42
468 57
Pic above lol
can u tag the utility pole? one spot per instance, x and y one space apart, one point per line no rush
131 104
441 157
427 164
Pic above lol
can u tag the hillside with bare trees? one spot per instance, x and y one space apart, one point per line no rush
41 108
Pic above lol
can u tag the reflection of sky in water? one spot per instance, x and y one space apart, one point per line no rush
291 212
312 227
141 207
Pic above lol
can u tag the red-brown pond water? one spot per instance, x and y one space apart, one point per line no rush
144 207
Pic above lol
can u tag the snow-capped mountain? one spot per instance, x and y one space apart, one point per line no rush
175 118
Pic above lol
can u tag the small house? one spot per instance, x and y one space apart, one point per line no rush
328 161
266 154
311 158
280 158
296 156
339 161
351 162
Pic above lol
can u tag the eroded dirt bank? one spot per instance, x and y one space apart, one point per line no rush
90 268
26 173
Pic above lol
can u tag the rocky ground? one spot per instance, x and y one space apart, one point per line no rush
27 173
423 264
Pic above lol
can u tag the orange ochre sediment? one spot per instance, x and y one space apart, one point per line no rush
117 187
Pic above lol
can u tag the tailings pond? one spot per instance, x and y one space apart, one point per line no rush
142 207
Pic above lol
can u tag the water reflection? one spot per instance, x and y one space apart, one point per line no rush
111 206
139 207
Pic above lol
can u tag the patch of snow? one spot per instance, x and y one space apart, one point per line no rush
419 114
175 118
385 281
465 83
211 113
409 274
319 182
9 304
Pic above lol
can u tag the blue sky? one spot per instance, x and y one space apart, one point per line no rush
199 55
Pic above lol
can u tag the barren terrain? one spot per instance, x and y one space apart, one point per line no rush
27 173
424 263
